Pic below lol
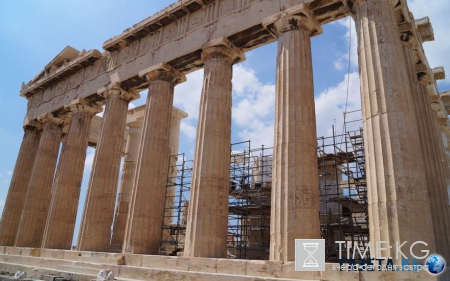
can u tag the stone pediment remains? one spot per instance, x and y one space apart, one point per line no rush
67 62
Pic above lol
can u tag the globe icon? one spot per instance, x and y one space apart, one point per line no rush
435 264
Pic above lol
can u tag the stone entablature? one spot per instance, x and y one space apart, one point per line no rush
189 24
180 49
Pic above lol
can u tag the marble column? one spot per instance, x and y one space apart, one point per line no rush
61 151
174 140
399 207
440 203
440 206
295 181
429 141
98 213
66 189
206 233
126 183
37 202
145 221
18 187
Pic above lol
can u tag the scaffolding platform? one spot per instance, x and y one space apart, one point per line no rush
342 188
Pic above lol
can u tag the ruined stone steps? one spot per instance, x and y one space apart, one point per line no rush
84 270
84 266
40 271
82 273
249 268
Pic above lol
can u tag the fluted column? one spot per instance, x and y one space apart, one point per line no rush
295 182
147 204
206 233
61 151
66 189
98 213
174 140
399 208
439 201
34 215
434 176
19 184
126 183
440 206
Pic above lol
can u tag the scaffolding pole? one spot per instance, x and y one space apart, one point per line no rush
343 197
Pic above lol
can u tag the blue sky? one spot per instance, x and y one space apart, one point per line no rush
32 32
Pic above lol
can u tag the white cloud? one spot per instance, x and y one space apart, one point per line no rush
9 173
436 51
187 95
187 98
254 101
330 105
2 204
188 130
244 80
261 133
253 105
253 112
339 63
350 36
89 160
253 109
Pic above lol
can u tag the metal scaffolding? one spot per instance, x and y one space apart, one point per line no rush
343 192
176 205
343 197
249 201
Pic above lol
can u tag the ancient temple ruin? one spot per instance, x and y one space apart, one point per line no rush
390 183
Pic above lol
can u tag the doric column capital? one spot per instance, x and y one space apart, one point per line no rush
352 5
116 92
222 48
163 72
32 125
288 23
50 118
298 17
79 105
